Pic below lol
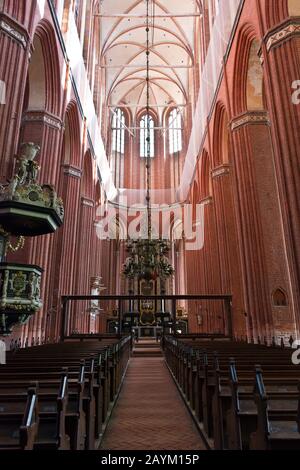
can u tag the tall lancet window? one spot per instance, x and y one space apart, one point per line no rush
118 131
146 121
175 131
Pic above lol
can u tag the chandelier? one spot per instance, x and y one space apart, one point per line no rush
148 256
147 260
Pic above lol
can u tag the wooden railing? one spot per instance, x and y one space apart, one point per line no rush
121 299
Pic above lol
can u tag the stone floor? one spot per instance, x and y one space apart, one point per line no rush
150 414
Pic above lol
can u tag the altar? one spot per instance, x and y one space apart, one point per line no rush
147 331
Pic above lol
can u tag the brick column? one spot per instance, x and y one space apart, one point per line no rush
46 130
280 56
230 267
247 131
65 257
84 253
14 59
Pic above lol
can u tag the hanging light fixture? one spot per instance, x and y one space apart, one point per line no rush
148 257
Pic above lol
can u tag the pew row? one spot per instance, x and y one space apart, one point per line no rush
75 385
222 385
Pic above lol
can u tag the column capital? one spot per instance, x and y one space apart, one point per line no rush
250 118
43 117
220 171
85 201
206 201
72 171
282 33
14 30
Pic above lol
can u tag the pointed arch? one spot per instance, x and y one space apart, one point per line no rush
98 195
254 85
118 131
175 131
221 152
205 176
241 95
49 68
279 298
87 180
147 120
72 141
35 95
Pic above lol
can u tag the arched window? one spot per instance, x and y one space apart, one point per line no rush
118 131
279 298
145 123
175 131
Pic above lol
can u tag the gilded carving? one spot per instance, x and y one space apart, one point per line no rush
24 188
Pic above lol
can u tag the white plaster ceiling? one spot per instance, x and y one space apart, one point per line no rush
123 44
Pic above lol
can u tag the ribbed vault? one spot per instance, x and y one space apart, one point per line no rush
123 46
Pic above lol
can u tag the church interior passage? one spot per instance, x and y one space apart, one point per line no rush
150 413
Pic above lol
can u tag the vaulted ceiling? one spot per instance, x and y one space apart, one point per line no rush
123 58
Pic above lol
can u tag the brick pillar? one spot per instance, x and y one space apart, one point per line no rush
84 255
46 130
14 47
203 273
212 311
66 253
230 269
247 131
281 61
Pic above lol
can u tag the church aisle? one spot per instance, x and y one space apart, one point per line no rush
150 414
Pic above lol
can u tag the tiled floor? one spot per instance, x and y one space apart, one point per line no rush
150 414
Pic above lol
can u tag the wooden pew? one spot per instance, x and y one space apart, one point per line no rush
75 416
18 427
210 390
91 393
234 411
51 412
278 427
92 385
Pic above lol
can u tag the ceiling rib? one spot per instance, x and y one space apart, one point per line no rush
123 105
141 66
132 15
172 52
